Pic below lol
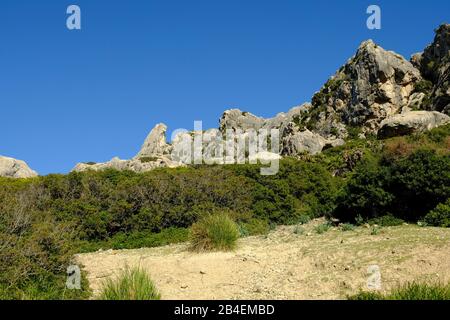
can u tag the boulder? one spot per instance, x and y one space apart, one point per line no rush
13 168
411 122
296 142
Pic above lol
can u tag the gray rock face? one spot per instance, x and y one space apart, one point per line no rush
434 64
377 91
237 119
143 164
13 168
296 142
153 154
155 143
372 86
412 122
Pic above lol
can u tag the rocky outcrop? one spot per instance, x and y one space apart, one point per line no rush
296 141
143 164
411 122
155 143
13 168
154 153
372 86
434 63
375 92
237 119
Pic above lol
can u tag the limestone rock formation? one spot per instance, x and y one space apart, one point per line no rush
237 119
375 92
434 63
143 164
13 168
411 122
372 86
155 143
153 154
296 141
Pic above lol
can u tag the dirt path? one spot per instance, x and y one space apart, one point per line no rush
285 265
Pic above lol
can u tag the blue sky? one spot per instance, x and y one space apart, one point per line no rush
88 95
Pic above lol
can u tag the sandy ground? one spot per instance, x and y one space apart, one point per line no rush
286 265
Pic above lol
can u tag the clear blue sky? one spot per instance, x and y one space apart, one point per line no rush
72 96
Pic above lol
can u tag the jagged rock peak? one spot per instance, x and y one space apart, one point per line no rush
372 85
13 168
434 63
155 143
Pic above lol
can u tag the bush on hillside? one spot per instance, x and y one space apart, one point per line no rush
440 216
131 284
408 188
214 232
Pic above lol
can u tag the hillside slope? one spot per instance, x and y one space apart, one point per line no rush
286 265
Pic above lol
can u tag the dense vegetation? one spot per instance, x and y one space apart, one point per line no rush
45 220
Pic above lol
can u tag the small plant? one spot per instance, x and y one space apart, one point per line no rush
304 219
347 227
375 230
387 221
324 227
254 227
299 230
359 220
132 284
214 232
148 159
440 216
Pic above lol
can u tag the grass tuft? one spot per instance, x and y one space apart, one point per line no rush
322 228
132 284
214 232
410 291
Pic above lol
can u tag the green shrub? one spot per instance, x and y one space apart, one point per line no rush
410 291
214 232
440 216
386 221
131 284
148 159
375 230
254 227
409 187
322 228
347 227
423 86
299 230
439 134
304 219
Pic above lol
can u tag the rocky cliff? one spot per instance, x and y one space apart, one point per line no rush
377 92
